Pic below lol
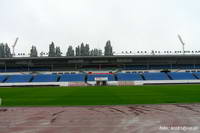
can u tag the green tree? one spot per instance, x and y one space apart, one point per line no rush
70 51
78 51
58 52
108 51
87 50
95 52
92 52
2 51
82 49
33 52
7 51
52 51
100 52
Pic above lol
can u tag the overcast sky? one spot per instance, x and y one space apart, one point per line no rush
129 24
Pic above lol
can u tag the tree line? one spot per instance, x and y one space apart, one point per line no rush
55 51
5 51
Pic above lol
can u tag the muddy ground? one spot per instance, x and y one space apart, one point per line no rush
174 118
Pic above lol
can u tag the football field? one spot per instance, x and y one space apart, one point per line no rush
99 95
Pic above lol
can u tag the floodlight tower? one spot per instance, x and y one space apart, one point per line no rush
13 46
183 44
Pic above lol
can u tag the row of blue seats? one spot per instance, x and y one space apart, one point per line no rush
41 78
135 67
91 77
159 76
145 67
52 78
23 69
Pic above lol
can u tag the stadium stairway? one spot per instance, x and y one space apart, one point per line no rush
169 76
142 76
31 78
115 77
58 78
3 78
196 75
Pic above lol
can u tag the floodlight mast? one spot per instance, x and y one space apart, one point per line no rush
13 46
183 44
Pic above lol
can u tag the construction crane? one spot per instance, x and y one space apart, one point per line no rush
13 46
183 44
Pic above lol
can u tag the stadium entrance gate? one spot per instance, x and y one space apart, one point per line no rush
101 81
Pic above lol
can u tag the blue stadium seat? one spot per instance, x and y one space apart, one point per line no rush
91 77
2 78
155 76
45 78
128 76
135 67
39 69
181 76
197 66
187 66
18 78
23 69
72 77
159 67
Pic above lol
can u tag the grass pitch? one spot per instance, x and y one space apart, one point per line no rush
97 95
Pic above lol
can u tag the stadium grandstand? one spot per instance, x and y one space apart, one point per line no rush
100 70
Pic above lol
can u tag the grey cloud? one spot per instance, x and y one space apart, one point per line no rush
129 24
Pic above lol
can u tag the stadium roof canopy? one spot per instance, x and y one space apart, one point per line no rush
77 62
